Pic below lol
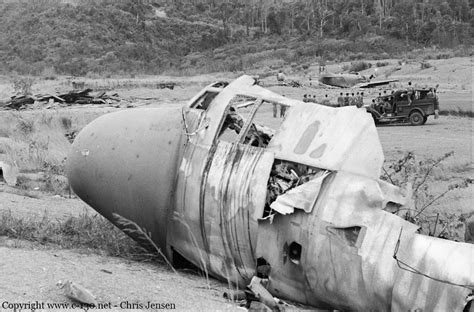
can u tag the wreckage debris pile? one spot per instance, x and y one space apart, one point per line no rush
285 83
284 177
73 97
292 83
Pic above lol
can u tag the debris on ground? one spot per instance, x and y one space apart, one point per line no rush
77 292
286 83
85 96
292 83
235 295
17 102
166 85
71 135
258 288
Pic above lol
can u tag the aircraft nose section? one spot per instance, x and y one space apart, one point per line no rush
125 163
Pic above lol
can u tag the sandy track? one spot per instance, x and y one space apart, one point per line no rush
435 138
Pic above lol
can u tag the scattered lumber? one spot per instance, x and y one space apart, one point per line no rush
17 102
286 83
73 97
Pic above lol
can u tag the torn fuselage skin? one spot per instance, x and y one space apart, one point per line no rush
297 201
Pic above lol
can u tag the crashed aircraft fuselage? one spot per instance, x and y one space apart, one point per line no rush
230 188
352 80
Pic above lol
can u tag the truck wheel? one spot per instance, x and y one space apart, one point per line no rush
416 118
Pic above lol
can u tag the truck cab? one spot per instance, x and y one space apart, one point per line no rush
413 106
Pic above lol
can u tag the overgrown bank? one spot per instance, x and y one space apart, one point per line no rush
152 36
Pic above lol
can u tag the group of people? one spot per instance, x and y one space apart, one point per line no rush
312 98
350 99
282 110
384 105
356 99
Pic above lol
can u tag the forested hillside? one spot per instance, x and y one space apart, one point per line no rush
149 36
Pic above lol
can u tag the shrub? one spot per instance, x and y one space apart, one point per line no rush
417 176
23 85
425 65
359 66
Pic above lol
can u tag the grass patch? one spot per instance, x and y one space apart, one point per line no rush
86 231
37 142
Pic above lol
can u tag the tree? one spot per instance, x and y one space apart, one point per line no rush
322 14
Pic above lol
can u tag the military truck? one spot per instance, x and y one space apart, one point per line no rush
413 106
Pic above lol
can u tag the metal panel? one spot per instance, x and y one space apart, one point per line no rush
329 138
432 257
235 196
350 275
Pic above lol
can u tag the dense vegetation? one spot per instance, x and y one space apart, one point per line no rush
150 36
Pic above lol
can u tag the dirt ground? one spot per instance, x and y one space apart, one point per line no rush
29 272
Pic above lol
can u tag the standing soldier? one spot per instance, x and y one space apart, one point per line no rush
282 110
322 65
436 103
326 101
305 98
280 76
340 100
430 94
275 110
352 101
469 230
410 93
361 101
357 99
346 100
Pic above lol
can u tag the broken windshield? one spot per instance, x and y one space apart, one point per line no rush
251 121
